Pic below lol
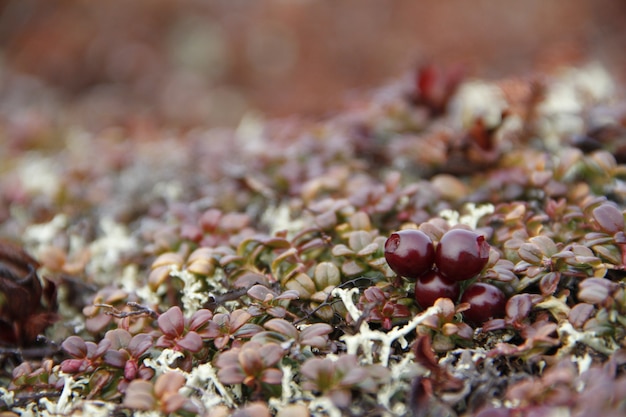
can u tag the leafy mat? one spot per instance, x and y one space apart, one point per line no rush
217 272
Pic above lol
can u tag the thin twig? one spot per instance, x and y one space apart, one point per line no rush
136 311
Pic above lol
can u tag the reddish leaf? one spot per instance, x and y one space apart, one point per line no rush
117 358
270 353
261 293
231 375
609 218
200 318
518 307
375 294
595 290
549 283
272 376
191 342
494 324
251 361
248 330
139 395
72 366
119 338
169 382
130 370
278 312
172 322
283 327
238 318
316 335
172 403
75 346
99 349
580 313
139 344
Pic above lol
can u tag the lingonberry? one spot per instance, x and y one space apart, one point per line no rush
432 285
410 253
461 254
486 302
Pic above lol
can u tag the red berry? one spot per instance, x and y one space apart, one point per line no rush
410 253
432 285
461 254
486 302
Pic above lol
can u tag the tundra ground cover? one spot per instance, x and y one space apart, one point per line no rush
216 272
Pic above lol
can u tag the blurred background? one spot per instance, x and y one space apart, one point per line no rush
187 63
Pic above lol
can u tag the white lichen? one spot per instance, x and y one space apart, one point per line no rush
569 337
68 400
107 250
6 396
194 296
583 362
278 218
39 235
476 99
567 96
97 408
473 213
347 298
163 362
40 176
30 410
400 373
168 190
290 390
323 406
152 413
204 378
249 133
366 337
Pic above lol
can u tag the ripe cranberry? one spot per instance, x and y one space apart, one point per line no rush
486 302
410 253
432 285
461 254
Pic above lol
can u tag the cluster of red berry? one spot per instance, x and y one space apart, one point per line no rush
437 270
